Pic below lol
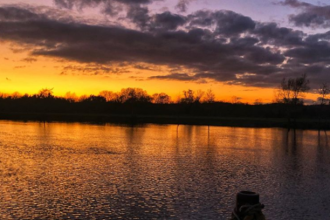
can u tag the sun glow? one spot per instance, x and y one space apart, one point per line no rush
19 73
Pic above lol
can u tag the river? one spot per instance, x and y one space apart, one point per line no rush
90 171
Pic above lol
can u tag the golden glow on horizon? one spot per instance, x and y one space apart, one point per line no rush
17 75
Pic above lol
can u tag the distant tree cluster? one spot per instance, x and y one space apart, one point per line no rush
126 95
291 91
324 91
136 101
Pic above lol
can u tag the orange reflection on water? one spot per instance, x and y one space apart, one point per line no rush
86 171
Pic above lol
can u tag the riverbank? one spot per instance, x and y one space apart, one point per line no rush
160 119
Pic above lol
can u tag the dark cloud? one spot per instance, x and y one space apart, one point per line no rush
165 21
109 7
313 19
312 53
310 15
29 60
270 33
203 18
261 55
225 22
139 15
232 23
17 14
295 3
19 67
93 69
168 21
182 5
315 49
318 38
175 76
112 7
146 67
220 45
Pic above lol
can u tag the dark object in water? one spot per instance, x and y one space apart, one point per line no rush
248 207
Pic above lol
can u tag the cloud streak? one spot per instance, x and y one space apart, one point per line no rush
310 15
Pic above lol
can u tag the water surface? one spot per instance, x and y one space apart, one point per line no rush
84 171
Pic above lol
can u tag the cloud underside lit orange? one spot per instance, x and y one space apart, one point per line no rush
23 74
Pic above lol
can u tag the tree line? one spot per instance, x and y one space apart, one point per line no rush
288 103
126 95
290 91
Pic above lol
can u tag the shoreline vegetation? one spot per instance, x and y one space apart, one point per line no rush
313 124
136 106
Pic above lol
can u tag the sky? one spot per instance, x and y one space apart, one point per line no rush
234 47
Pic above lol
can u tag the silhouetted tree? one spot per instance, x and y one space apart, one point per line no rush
45 93
324 91
188 96
161 98
71 97
95 99
133 95
209 96
292 90
109 96
257 102
235 100
199 95
15 95
82 98
3 95
290 93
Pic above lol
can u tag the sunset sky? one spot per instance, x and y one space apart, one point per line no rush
234 47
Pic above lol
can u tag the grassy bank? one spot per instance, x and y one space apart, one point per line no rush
186 120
